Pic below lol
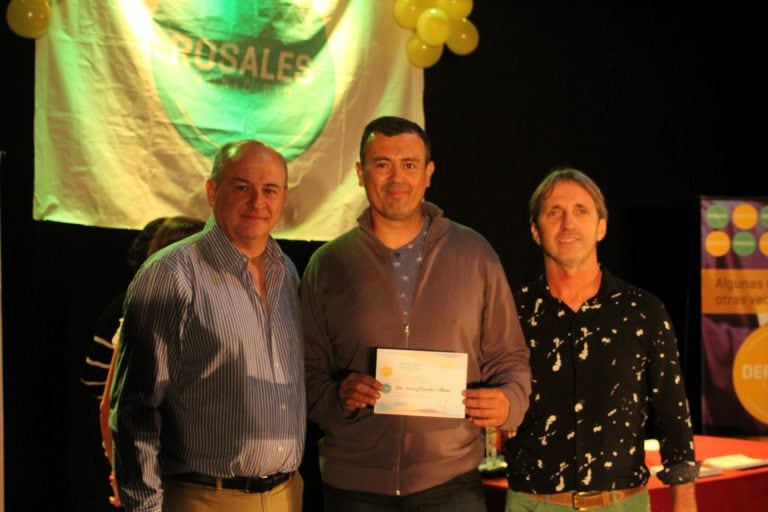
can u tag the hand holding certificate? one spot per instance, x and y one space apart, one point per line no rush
421 382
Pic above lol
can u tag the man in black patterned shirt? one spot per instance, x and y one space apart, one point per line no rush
604 359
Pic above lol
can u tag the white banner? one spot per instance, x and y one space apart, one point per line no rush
133 97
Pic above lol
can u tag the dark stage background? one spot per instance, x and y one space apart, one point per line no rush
632 93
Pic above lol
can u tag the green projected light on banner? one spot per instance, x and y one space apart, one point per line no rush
231 69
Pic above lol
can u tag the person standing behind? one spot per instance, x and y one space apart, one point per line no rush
169 230
96 366
208 403
604 358
409 278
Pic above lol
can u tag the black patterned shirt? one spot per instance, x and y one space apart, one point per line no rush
598 375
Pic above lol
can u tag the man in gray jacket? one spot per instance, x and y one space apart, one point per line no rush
407 278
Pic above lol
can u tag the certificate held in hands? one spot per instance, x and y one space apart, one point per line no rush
421 382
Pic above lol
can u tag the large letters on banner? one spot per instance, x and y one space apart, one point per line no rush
734 321
133 97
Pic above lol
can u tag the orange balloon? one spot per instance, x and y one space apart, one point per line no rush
464 37
421 54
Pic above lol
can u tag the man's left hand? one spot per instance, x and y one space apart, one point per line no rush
486 407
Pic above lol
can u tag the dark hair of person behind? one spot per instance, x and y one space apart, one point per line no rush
391 126
172 230
565 174
137 252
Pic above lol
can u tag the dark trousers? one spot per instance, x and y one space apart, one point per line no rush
461 494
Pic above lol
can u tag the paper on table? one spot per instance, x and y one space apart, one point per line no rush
705 471
421 382
735 461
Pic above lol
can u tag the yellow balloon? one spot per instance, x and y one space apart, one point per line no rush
433 26
406 12
28 18
464 37
420 54
455 9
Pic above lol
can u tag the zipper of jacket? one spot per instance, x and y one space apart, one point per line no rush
407 332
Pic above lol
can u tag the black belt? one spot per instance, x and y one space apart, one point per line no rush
241 483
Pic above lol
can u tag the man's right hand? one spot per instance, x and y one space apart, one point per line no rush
358 391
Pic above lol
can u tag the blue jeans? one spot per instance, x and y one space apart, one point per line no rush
462 494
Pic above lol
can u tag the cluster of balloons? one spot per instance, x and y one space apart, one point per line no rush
29 18
435 24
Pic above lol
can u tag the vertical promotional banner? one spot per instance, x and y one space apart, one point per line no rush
734 320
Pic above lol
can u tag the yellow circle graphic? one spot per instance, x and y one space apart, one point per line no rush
717 243
750 374
744 216
386 371
763 243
